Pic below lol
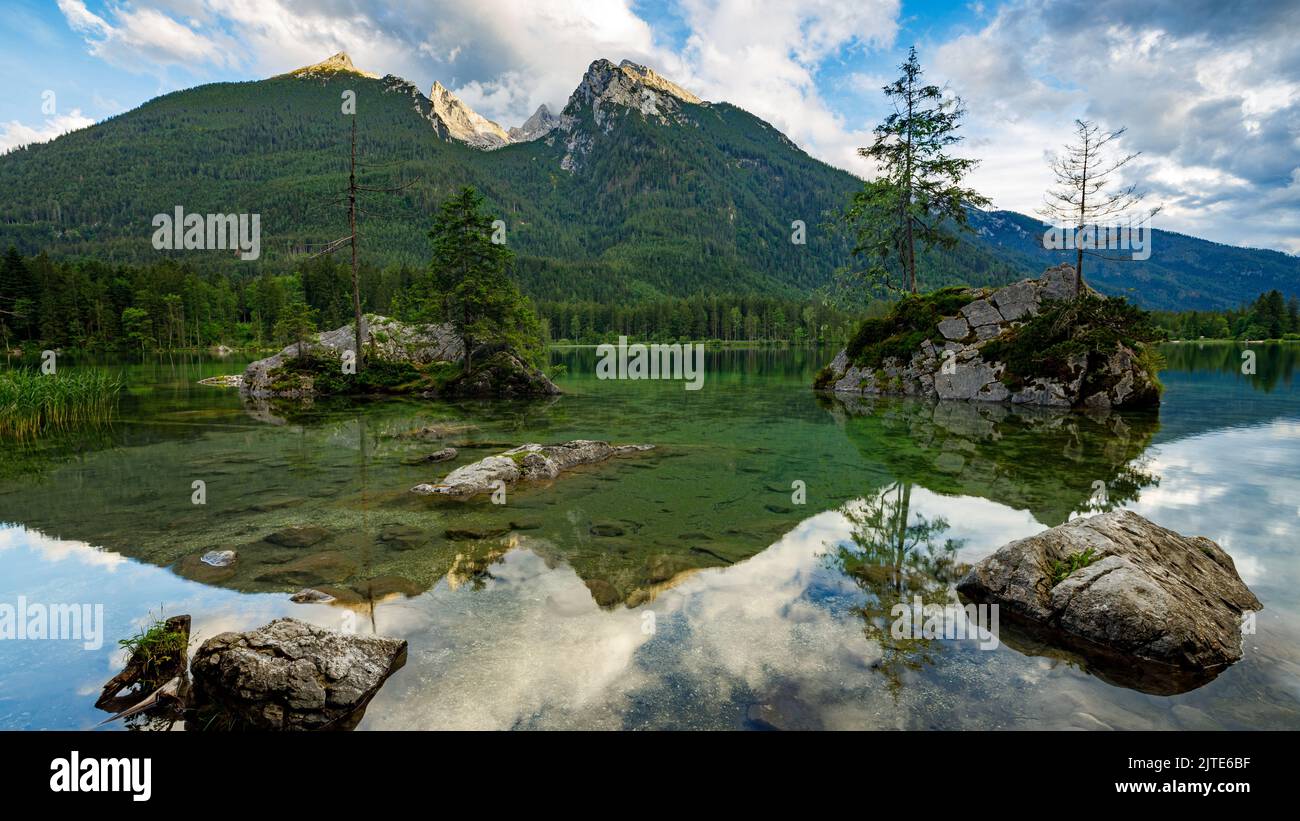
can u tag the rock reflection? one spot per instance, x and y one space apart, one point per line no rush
1042 460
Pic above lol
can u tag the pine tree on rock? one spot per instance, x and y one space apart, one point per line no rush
919 192
469 285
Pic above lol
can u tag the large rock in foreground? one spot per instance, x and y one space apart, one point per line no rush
531 462
1149 596
290 675
965 344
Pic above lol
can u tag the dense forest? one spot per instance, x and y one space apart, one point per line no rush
99 306
167 305
1271 316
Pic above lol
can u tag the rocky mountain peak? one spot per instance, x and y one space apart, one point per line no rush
464 123
539 125
335 64
630 85
648 77
608 92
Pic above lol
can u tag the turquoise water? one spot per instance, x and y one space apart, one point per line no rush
691 587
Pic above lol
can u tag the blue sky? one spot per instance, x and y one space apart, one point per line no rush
1209 92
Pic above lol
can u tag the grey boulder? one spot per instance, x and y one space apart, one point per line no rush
1150 596
530 462
385 338
290 675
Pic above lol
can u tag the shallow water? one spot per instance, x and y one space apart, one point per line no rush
683 588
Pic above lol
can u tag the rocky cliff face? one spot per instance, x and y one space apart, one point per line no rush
464 123
960 360
608 92
542 122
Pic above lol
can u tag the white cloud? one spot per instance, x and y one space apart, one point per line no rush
142 38
14 133
1213 105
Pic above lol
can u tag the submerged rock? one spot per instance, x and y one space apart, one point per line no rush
298 536
219 558
530 462
1138 592
290 675
318 568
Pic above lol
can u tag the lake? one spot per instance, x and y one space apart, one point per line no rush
741 575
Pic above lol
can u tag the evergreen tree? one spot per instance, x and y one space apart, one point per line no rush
18 293
297 322
468 283
919 192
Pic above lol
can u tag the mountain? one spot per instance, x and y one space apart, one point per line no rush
539 125
339 63
637 189
615 202
1182 273
463 123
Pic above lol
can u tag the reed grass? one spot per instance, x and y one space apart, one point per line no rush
33 404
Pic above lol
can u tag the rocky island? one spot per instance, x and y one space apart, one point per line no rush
1032 342
401 358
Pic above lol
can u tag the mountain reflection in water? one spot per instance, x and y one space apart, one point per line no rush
766 613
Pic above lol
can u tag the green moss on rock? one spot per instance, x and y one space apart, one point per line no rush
1090 328
913 320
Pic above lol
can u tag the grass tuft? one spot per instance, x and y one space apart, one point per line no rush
33 404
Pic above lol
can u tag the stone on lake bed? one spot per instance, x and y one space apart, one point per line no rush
318 568
1146 594
219 558
606 530
444 455
194 567
298 536
402 537
309 595
290 675
530 462
469 534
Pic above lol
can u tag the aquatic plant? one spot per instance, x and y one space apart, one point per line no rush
156 650
33 404
1075 561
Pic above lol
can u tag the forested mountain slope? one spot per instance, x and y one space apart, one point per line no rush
637 190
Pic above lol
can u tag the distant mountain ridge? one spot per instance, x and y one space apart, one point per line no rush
637 189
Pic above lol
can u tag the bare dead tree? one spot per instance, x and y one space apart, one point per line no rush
351 239
1082 195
